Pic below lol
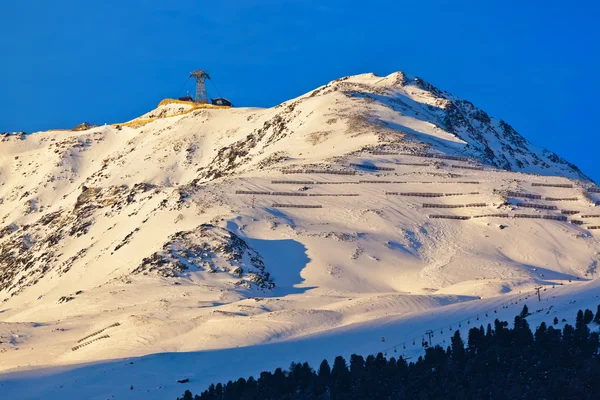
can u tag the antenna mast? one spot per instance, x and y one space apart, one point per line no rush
200 76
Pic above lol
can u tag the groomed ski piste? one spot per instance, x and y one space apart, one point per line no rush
220 243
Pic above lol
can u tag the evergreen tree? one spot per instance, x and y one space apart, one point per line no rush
588 316
340 379
458 348
597 317
323 379
524 312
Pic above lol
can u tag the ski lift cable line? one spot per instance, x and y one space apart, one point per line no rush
466 319
184 85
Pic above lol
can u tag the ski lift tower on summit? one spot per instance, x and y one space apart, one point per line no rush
200 76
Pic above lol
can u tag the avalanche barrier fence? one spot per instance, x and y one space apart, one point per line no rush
416 194
277 205
569 212
90 342
561 198
317 171
467 167
98 332
524 195
558 185
427 205
540 206
449 217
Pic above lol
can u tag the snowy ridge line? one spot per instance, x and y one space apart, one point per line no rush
317 171
371 167
523 195
561 198
98 332
427 205
277 205
558 185
414 164
467 167
569 212
438 156
540 206
590 216
428 194
594 190
90 342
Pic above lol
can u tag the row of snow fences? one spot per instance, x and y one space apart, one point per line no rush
302 194
317 171
524 195
569 212
438 156
283 182
426 205
491 216
539 206
90 342
594 190
467 167
277 205
561 198
594 227
98 332
414 164
428 194
553 217
591 216
384 153
449 217
294 182
371 167
461 217
558 185
576 222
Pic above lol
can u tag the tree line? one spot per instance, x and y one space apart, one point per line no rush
495 362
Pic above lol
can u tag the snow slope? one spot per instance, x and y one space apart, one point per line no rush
178 235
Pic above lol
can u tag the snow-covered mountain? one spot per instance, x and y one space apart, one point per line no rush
189 229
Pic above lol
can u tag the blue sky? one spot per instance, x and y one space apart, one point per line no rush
532 63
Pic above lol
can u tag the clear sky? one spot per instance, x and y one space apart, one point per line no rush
535 64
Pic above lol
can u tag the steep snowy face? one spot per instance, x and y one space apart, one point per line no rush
451 125
207 228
